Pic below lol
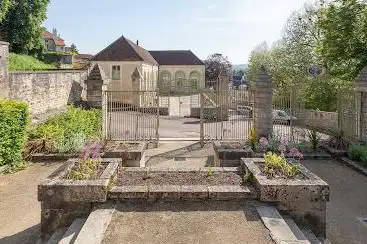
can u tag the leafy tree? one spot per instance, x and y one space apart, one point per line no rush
73 48
215 65
4 8
21 24
343 27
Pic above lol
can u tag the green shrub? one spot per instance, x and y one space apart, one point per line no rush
356 152
277 165
24 62
14 121
69 132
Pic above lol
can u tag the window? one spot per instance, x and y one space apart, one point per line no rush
179 78
194 80
116 72
165 80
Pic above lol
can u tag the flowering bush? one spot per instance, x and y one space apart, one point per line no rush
91 150
295 153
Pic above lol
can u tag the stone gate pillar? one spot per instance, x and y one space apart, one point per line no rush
4 71
96 79
263 105
360 87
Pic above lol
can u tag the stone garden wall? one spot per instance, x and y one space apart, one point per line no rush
46 92
322 121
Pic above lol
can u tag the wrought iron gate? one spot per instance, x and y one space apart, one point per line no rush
142 115
131 115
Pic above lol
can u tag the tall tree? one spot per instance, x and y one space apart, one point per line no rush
343 27
21 25
215 65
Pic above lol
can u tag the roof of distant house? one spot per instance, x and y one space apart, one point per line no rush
124 50
176 57
58 41
83 56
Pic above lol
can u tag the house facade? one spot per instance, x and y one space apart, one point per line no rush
53 42
177 75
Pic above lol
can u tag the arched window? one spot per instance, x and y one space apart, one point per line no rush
165 80
179 79
194 80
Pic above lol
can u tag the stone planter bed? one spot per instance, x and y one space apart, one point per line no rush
186 184
333 151
303 197
354 165
132 154
320 154
200 177
51 157
62 200
228 154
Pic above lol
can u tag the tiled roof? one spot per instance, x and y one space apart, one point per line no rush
124 50
58 41
83 56
176 57
47 35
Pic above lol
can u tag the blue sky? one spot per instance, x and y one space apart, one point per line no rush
230 27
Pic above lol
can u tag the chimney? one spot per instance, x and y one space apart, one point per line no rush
137 42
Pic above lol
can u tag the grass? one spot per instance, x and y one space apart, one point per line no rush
85 169
24 62
66 133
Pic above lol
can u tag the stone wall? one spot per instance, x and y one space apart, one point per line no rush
4 69
322 121
47 91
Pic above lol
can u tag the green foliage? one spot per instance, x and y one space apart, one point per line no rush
253 138
343 44
5 5
20 24
314 138
85 169
24 62
273 143
69 132
277 165
357 152
210 172
14 121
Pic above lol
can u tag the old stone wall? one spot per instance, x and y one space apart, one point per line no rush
47 91
4 89
322 121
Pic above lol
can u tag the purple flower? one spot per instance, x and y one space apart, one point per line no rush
294 152
264 142
282 148
91 150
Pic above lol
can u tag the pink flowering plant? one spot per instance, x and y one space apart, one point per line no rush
89 163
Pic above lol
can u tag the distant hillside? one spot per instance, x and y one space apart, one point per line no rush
239 66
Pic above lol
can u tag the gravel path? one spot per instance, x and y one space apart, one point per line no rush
20 210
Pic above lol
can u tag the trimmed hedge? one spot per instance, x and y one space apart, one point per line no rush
14 122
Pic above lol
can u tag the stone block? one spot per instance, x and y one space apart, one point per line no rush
228 192
166 192
128 192
194 192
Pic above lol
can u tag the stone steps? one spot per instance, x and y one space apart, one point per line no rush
284 229
67 235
